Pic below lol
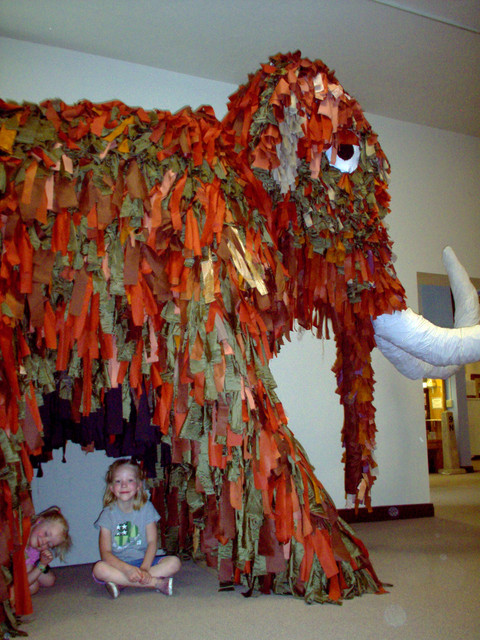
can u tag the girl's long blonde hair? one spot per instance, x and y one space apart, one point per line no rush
141 498
54 515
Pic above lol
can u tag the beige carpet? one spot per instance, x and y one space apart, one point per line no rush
433 563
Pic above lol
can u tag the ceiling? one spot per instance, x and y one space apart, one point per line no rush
412 60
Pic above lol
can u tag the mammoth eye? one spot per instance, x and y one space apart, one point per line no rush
347 158
345 151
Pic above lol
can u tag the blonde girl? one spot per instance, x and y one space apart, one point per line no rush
128 535
49 538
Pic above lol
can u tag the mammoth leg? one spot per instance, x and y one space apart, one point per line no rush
240 485
353 450
355 386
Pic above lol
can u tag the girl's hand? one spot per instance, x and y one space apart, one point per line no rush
146 577
134 574
46 556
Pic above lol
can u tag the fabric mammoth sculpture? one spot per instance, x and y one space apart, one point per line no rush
152 264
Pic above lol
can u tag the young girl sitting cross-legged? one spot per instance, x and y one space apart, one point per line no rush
128 535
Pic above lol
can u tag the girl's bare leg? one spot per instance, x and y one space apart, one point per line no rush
44 580
164 569
167 567
106 573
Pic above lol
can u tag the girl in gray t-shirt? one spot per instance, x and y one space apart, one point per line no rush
128 535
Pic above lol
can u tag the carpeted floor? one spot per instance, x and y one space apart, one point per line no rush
433 563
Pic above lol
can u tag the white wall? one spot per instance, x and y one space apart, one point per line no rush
434 186
36 72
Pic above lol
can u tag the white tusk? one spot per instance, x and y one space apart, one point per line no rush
467 307
412 367
424 340
418 348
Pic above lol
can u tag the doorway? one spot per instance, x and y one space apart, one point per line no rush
460 394
435 405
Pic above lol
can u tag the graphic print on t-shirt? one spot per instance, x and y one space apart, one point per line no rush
126 534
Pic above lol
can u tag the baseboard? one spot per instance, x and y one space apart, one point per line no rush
392 512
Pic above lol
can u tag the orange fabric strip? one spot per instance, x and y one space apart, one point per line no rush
6 344
199 387
236 492
81 296
25 251
106 345
175 200
49 327
61 232
215 451
136 367
136 303
151 307
284 525
30 174
307 561
87 385
165 406
155 375
23 600
122 371
260 481
321 543
31 400
334 592
192 234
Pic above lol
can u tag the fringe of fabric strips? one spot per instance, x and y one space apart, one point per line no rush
152 264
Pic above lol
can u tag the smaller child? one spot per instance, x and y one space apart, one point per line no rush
49 537
128 535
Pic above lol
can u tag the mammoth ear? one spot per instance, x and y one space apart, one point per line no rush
290 130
